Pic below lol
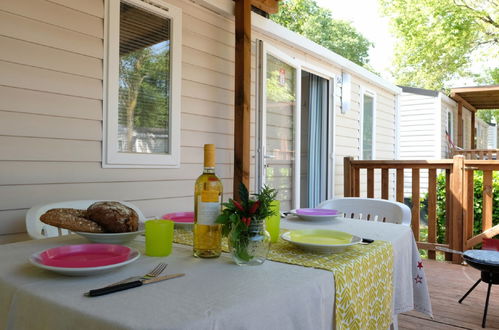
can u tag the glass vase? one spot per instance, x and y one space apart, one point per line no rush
250 247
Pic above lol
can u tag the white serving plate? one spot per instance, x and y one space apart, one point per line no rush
314 217
321 240
110 238
83 271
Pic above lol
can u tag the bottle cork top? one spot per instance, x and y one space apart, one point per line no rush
209 155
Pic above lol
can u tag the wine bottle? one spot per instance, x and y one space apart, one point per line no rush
207 207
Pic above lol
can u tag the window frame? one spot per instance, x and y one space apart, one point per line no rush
111 157
363 93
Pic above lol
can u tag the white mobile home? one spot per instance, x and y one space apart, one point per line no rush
428 128
66 87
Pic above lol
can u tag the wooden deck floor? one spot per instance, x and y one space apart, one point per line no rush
447 284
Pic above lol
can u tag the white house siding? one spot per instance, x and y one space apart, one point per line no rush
418 126
482 134
51 110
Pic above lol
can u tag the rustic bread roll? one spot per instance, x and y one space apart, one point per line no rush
114 217
70 219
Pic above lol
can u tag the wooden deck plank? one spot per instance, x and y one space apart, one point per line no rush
447 284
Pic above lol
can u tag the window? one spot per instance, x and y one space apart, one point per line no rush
368 121
142 85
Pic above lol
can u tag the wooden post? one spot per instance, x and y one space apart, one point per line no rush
416 204
432 209
347 176
456 193
460 139
468 204
448 214
370 183
242 94
384 183
400 185
487 200
473 132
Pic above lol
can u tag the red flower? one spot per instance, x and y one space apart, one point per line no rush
254 207
246 221
238 205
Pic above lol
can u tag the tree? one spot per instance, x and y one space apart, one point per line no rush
316 23
439 39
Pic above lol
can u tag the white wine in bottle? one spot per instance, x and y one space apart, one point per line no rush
207 207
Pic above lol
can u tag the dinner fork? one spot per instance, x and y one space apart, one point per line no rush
153 273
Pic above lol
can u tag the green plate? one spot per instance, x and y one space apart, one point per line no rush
321 240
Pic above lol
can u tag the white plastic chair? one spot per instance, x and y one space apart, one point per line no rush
37 229
371 209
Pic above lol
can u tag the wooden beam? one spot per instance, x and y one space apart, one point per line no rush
456 194
459 99
473 133
242 95
268 6
460 139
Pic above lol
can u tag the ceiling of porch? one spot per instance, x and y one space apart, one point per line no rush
478 97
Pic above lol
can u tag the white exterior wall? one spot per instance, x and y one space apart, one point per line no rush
51 110
482 135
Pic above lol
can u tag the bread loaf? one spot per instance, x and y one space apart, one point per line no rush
70 219
114 217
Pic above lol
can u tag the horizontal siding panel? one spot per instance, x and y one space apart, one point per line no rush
30 125
12 221
206 92
207 76
206 108
16 75
46 34
198 41
22 148
194 155
210 125
196 138
92 7
22 173
204 15
26 196
29 101
22 52
208 30
196 57
55 14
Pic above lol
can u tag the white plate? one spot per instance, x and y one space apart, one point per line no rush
84 271
309 217
110 238
321 240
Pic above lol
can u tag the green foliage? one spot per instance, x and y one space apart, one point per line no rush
144 87
478 202
438 39
316 23
277 92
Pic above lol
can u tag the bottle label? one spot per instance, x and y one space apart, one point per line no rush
207 213
209 196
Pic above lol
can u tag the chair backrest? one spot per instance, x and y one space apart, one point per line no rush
372 209
37 229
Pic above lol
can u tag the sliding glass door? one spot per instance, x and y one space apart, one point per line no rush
293 130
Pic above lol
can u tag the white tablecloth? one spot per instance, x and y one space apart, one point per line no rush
215 294
410 286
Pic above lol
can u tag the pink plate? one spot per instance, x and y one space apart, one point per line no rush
180 217
84 255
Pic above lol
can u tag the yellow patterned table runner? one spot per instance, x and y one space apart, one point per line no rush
362 274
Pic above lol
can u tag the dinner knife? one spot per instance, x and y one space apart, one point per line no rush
129 285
